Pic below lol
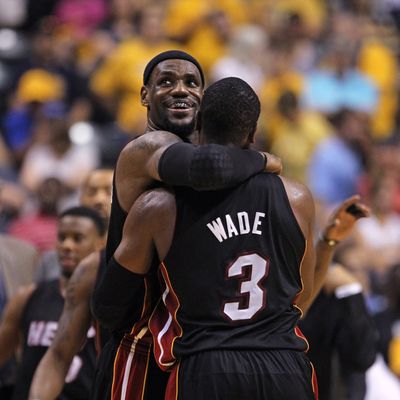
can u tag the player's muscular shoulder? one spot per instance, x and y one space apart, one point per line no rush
137 165
301 201
137 152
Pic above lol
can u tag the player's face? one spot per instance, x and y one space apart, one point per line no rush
96 193
77 237
173 96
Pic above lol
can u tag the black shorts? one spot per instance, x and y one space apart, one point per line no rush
242 375
101 387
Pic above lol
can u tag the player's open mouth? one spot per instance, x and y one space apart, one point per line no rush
180 105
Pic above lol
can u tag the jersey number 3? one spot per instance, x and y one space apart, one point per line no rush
249 288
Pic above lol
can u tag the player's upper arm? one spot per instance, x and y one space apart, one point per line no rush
141 156
137 165
10 322
147 221
303 207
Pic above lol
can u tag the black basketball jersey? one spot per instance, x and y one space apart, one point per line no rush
39 325
232 274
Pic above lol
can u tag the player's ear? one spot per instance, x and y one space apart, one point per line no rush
252 134
144 96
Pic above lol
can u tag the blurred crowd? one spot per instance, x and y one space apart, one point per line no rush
326 72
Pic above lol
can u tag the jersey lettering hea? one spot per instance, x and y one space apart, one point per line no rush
232 273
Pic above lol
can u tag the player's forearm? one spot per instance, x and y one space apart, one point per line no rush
49 377
116 296
208 167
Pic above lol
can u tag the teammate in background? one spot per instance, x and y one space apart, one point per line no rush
235 271
76 317
173 84
34 312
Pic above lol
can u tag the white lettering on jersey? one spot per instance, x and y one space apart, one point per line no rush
244 223
230 225
217 229
238 225
42 333
49 333
257 222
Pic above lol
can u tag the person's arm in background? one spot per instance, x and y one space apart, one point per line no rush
338 228
10 322
73 326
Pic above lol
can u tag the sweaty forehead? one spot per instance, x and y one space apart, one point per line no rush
176 66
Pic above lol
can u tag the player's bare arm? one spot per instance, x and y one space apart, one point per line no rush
303 207
74 324
10 322
148 230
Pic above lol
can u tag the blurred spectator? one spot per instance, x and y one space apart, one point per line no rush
378 239
95 193
54 154
377 59
81 17
35 88
118 80
297 135
244 58
39 228
348 335
280 78
331 180
18 261
205 26
383 378
338 83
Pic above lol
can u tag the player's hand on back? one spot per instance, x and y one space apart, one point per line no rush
274 163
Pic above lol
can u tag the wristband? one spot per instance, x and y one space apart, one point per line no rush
329 242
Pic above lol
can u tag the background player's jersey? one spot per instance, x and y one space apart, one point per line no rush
39 326
232 273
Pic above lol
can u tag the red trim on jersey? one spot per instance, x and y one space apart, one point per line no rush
300 334
314 382
301 281
163 323
132 358
172 389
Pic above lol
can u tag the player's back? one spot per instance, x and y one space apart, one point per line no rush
232 273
